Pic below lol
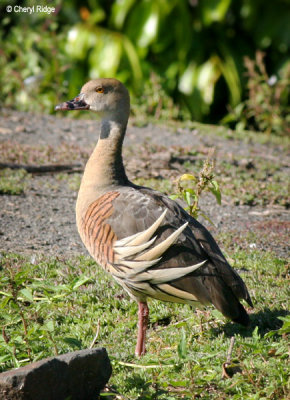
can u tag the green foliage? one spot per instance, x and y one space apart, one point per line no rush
52 306
266 108
155 102
32 61
194 49
13 182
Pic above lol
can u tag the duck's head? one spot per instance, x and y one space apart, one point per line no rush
105 96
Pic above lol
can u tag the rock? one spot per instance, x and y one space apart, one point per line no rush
79 375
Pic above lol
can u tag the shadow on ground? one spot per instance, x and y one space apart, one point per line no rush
266 320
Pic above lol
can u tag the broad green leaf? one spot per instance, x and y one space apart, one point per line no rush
143 24
80 39
188 79
230 73
213 10
27 294
208 75
120 11
105 56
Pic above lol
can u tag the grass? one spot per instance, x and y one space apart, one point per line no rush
270 179
52 306
13 182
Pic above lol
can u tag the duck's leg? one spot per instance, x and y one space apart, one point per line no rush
143 314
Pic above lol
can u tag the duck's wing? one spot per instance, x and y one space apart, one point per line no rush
154 248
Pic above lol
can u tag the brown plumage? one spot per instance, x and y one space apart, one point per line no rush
96 233
150 245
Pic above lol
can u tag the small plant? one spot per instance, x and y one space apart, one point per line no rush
266 108
190 188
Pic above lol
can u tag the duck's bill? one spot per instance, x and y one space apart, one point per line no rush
75 104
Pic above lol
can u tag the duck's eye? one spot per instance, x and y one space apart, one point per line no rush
99 90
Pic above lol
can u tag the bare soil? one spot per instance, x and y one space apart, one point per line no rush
43 219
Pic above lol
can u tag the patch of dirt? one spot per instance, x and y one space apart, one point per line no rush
43 219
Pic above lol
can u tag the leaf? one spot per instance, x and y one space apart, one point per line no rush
120 11
208 74
174 196
48 326
27 294
214 10
78 42
188 198
215 189
256 336
142 27
146 366
285 329
73 342
187 177
81 282
181 348
105 56
133 60
188 79
231 74
192 192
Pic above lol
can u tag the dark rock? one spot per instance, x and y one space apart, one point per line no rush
79 375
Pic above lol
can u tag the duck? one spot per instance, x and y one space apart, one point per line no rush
150 245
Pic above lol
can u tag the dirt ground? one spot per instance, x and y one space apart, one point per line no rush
43 220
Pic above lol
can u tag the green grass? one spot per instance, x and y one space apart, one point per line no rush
52 306
254 183
13 182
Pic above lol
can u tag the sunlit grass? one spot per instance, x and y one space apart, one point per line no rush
63 303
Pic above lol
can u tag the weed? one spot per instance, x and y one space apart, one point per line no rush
190 188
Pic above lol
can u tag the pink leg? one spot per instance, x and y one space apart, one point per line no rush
143 314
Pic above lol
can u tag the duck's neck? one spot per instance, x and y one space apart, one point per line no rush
105 166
